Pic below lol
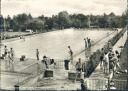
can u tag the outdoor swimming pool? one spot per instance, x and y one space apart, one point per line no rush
54 44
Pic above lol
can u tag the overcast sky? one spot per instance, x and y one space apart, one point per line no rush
49 7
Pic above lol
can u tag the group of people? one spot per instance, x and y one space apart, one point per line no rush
79 66
109 61
87 45
8 56
46 60
87 42
8 53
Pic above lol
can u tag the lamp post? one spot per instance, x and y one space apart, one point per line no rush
0 18
126 12
0 7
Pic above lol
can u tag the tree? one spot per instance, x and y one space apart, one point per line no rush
79 20
124 18
63 19
48 23
103 21
1 23
37 25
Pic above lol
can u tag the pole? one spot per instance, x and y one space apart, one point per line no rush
127 19
0 38
0 7
0 18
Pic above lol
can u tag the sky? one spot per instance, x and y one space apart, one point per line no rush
50 7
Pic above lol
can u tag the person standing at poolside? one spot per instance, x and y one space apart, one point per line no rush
10 60
12 54
89 42
37 54
101 58
79 66
106 63
71 54
5 51
86 43
45 61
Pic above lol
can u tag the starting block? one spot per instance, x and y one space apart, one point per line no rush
48 73
75 76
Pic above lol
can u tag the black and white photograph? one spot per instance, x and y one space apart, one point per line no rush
63 45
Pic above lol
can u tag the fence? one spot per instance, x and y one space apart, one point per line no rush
93 84
34 70
106 84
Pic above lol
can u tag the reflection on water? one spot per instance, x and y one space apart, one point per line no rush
54 44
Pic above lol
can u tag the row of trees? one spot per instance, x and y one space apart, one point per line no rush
63 20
